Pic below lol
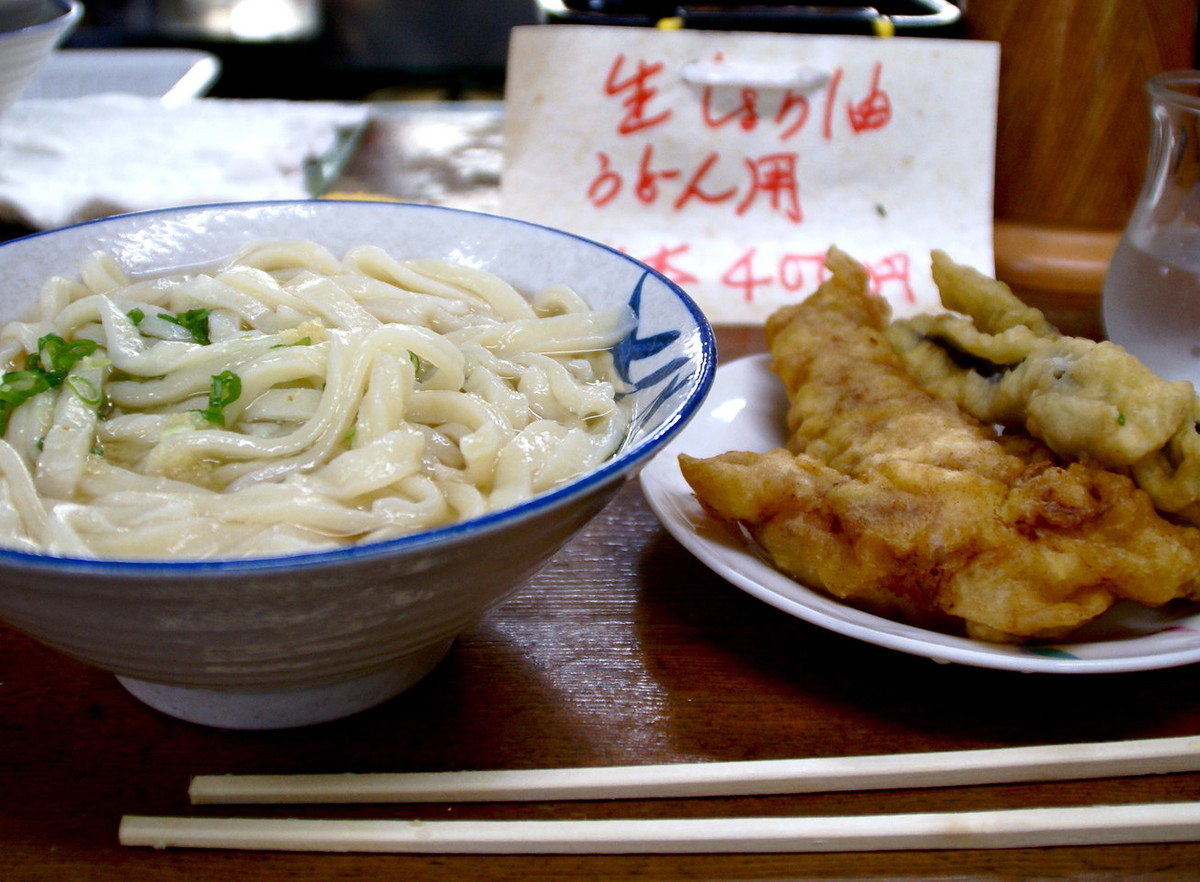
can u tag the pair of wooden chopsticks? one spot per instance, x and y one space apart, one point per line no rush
1006 828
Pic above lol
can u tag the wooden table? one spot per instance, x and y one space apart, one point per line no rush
623 650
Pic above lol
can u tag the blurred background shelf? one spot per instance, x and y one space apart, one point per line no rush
324 49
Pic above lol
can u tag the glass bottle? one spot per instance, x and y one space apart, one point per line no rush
1151 299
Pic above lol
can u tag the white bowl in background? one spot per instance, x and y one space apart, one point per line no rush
30 30
285 641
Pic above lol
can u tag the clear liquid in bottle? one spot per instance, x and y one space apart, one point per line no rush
1151 300
1152 305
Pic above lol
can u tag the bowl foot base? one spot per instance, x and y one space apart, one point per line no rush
287 708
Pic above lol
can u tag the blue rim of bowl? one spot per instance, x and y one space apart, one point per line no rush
610 470
70 12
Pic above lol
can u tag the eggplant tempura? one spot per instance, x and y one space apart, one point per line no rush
896 501
1002 362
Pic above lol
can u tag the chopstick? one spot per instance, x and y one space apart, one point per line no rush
739 778
1005 828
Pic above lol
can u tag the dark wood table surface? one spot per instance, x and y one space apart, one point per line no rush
623 650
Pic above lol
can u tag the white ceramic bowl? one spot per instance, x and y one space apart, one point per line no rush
29 31
287 641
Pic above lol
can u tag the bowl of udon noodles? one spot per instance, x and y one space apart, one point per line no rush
264 462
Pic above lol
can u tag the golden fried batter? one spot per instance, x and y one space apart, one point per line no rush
894 500
1002 362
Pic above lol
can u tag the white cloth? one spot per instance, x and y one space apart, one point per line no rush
74 159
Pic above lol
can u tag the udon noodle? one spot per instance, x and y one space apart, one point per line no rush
292 401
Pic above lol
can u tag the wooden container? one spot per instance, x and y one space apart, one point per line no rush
1073 135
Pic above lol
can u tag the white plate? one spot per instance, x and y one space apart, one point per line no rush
745 411
174 75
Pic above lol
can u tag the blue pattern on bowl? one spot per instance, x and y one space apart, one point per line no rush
677 373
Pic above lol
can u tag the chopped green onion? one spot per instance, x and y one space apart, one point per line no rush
303 341
18 386
194 321
423 369
136 315
226 388
87 391
61 355
44 369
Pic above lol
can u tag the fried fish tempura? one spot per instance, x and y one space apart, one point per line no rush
895 501
1002 362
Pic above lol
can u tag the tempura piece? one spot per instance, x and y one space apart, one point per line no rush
1171 475
1002 362
990 302
895 501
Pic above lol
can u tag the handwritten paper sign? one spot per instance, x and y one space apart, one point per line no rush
731 162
